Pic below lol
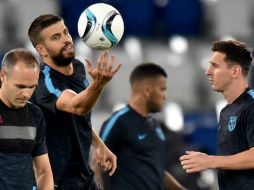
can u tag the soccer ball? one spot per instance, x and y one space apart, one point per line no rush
100 26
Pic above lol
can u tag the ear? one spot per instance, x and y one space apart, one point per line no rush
41 50
147 90
237 70
2 75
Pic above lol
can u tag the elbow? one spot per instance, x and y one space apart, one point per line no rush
81 111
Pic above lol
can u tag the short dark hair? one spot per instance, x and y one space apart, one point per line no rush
19 54
146 70
236 52
40 23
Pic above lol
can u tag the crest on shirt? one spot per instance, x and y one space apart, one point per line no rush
232 123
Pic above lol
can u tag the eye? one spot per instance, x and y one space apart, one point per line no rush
214 65
20 86
55 37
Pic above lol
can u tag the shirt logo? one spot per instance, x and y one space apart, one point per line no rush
141 137
232 123
160 133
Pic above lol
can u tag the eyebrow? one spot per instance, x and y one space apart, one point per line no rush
24 86
213 62
59 33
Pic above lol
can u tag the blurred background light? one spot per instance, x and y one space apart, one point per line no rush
174 116
133 48
178 44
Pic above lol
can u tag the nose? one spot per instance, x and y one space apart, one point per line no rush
208 71
27 93
67 38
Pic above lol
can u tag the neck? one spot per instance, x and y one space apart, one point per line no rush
234 92
139 105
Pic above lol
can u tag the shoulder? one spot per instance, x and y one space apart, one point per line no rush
250 94
117 117
120 114
116 122
247 102
44 67
249 98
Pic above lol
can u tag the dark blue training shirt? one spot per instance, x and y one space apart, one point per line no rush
21 138
235 135
139 144
68 136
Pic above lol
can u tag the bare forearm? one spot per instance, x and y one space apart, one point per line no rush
240 161
96 140
45 181
43 172
84 101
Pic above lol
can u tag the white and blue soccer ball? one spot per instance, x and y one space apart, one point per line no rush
100 26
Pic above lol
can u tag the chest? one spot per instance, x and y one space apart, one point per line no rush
76 82
17 131
232 131
144 139
231 121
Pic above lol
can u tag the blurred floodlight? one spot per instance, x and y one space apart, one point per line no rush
178 44
174 116
161 3
219 105
209 177
118 106
133 48
28 45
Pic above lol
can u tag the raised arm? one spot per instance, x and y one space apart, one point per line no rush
81 103
43 173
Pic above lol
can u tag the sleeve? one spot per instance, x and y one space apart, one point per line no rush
46 93
250 126
40 144
111 133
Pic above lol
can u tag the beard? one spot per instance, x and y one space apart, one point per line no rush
153 107
61 60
